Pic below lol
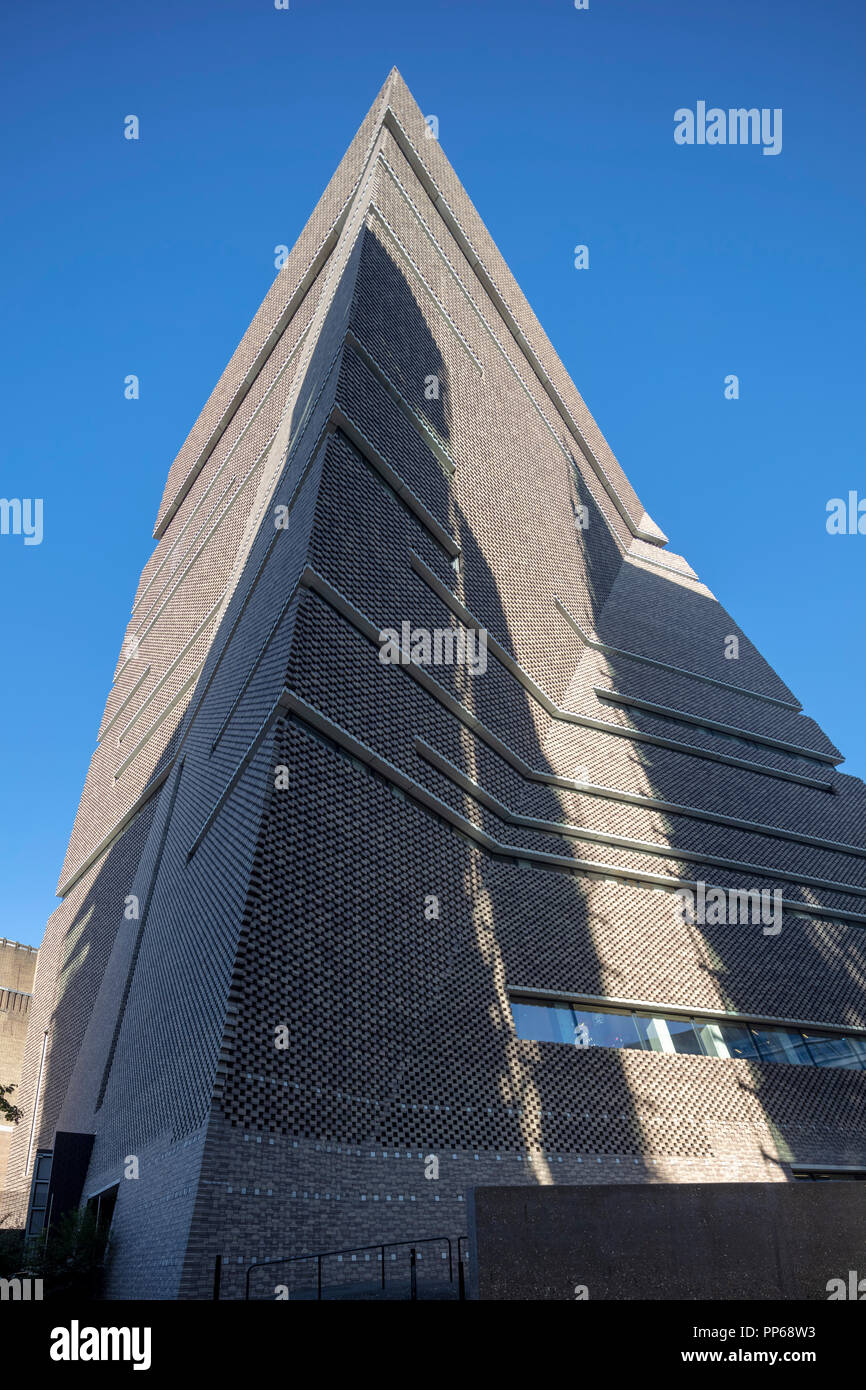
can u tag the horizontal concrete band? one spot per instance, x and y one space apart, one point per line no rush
170 669
653 1006
253 416
827 1167
123 704
608 650
617 697
661 851
586 721
311 580
314 581
291 703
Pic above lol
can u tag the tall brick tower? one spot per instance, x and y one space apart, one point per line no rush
337 907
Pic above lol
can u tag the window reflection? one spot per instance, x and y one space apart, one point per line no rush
562 1022
832 1052
738 1040
782 1045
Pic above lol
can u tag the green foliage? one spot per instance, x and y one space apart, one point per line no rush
11 1248
9 1112
70 1259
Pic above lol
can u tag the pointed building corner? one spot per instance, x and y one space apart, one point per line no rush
649 531
342 893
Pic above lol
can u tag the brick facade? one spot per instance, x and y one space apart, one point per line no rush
272 811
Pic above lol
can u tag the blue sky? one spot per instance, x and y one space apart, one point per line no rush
151 257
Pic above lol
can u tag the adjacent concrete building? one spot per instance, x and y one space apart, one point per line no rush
420 735
17 969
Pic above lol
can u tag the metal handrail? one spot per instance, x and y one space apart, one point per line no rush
461 1266
353 1250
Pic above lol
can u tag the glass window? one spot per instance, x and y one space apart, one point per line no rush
653 1033
562 1022
712 1041
683 1035
580 1027
667 1034
738 1040
542 1022
604 1030
38 1208
829 1051
781 1045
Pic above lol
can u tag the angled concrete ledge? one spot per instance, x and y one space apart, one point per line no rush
315 265
602 726
652 533
404 251
365 446
290 702
124 702
247 757
169 671
658 849
173 703
120 827
312 580
289 359
418 423
176 544
668 666
616 697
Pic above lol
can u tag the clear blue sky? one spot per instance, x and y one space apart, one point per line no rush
151 257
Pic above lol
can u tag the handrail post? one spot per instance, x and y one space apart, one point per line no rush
217 1276
327 1254
413 1276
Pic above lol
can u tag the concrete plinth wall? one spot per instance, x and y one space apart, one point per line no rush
687 1241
